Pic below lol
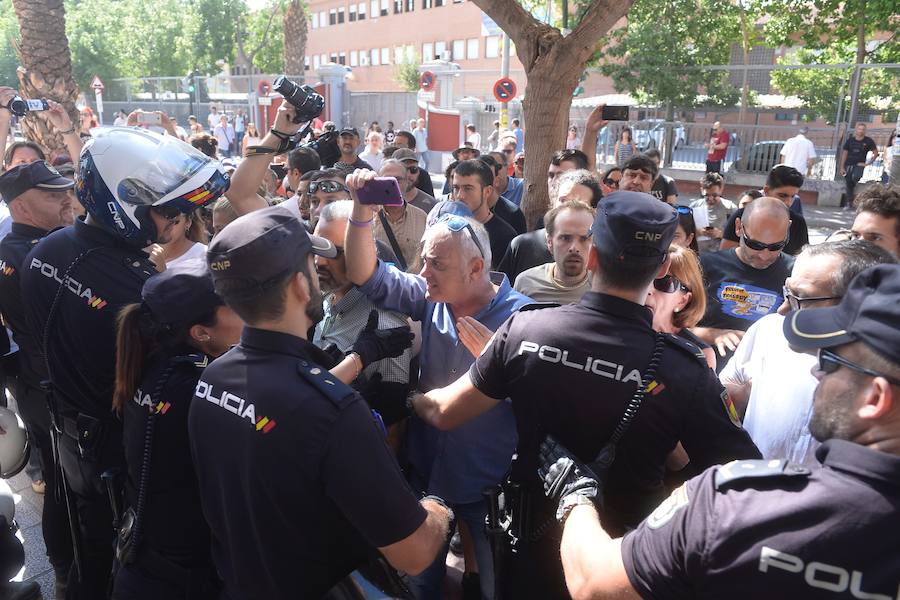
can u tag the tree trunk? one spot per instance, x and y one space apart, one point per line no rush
46 70
295 31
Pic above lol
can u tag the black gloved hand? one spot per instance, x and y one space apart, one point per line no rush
566 481
374 344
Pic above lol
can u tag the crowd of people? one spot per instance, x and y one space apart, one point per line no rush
242 380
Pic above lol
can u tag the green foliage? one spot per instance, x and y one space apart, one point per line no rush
9 30
652 57
270 58
828 31
406 73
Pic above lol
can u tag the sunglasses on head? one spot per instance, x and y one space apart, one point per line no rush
669 284
457 224
328 187
796 302
684 210
829 362
759 246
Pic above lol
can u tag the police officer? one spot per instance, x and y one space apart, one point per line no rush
579 373
749 527
38 201
296 478
163 344
132 183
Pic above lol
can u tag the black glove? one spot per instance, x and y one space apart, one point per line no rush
566 481
374 344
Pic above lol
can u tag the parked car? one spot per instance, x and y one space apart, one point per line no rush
649 134
759 158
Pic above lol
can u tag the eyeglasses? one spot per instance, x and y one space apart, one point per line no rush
684 210
457 224
413 169
329 187
669 284
829 362
757 245
796 303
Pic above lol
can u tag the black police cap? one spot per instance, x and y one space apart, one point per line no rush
39 174
634 227
869 312
258 249
181 294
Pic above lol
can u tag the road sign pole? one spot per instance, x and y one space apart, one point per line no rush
98 96
504 74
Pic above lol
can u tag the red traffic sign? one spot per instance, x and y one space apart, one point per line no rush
263 88
96 83
426 80
504 89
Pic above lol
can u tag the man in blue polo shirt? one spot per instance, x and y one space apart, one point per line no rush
459 302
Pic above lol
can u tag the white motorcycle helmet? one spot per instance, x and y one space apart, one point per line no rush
123 171
13 444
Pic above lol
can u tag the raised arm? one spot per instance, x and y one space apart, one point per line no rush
359 245
245 181
592 129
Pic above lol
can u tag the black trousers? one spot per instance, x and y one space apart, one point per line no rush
854 174
32 404
91 502
714 166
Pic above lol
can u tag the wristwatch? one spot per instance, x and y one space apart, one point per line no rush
570 502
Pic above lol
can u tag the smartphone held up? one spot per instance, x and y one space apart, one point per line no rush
381 191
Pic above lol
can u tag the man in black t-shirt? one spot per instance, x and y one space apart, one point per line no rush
473 184
745 283
853 160
783 183
664 187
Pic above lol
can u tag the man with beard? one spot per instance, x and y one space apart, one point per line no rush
347 311
348 144
750 526
291 463
565 279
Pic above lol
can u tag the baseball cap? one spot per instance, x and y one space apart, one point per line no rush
869 312
404 154
464 147
447 207
256 250
635 227
182 293
349 131
39 174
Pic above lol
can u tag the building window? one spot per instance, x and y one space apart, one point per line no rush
374 54
385 5
354 58
459 49
385 56
410 5
398 7
427 52
306 63
314 21
362 11
439 49
427 3
323 20
398 55
783 116
323 58
342 58
374 9
492 46
352 13
341 15
472 49
438 2
332 17
333 57
316 62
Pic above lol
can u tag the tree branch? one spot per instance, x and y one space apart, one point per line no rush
512 18
599 18
265 35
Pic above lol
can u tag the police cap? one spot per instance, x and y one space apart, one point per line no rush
869 312
258 249
181 294
634 227
39 174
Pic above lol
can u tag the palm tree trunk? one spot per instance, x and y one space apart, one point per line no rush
295 32
46 70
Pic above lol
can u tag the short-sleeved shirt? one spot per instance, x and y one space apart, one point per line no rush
737 295
663 187
458 464
747 529
82 337
719 138
798 151
717 216
539 284
858 149
570 372
296 479
798 232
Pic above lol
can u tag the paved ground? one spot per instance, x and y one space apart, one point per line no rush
820 220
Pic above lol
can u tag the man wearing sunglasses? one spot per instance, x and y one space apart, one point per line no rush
570 372
769 383
746 528
408 184
744 284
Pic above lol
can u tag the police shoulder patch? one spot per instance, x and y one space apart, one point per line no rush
328 385
685 346
667 509
538 306
741 470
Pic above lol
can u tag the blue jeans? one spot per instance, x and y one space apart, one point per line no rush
429 584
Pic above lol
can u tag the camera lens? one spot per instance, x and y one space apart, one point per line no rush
18 107
308 103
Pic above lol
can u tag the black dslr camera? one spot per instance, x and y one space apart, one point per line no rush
307 101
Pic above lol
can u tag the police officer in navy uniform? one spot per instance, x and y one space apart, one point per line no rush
163 344
37 197
750 527
132 183
571 371
296 479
